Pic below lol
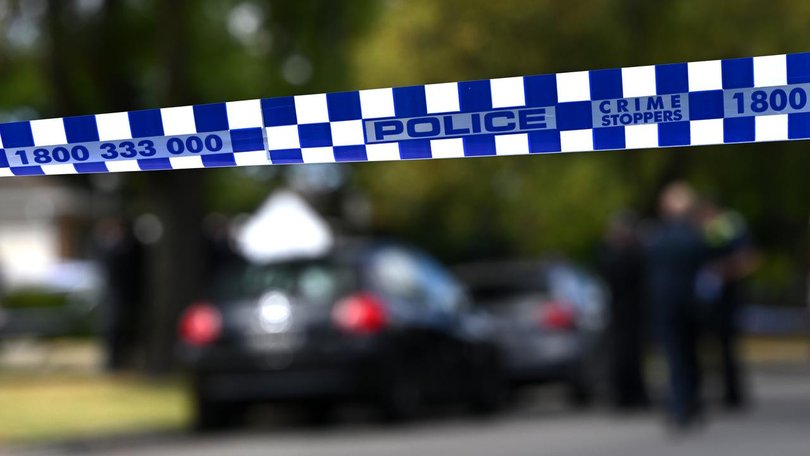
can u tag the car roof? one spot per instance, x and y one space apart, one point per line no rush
346 251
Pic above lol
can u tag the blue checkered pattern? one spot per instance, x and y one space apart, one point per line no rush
241 120
330 127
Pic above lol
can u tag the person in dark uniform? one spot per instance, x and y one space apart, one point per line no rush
121 257
720 288
621 262
675 253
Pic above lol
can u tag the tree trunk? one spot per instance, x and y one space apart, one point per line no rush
173 263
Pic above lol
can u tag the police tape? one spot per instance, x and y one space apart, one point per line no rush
684 104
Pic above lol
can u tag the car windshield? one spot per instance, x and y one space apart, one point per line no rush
502 283
313 282
493 293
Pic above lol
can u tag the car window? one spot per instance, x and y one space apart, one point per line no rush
503 292
505 285
395 272
442 291
312 282
567 285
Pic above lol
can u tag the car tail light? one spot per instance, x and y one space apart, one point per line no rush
360 313
558 315
200 324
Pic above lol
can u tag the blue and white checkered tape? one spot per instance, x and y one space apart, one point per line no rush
712 102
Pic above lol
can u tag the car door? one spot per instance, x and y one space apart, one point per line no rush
450 345
392 273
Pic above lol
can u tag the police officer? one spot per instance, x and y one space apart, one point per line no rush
621 262
675 253
719 287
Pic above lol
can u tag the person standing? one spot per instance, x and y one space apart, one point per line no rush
621 262
720 289
675 253
120 255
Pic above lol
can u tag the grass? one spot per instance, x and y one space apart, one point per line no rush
37 407
775 350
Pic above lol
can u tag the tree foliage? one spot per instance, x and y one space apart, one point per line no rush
66 57
531 205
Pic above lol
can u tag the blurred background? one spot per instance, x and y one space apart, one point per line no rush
98 271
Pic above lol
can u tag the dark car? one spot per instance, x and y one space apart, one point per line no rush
378 323
550 319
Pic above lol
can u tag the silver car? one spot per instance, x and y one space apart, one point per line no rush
551 319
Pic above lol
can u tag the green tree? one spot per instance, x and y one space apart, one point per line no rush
531 205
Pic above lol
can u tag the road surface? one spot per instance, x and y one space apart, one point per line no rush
778 424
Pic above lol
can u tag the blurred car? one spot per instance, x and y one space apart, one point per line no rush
373 322
550 318
63 301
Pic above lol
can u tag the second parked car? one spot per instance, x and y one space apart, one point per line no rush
550 318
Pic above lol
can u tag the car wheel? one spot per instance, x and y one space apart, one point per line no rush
490 389
320 413
401 398
213 415
580 394
584 385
